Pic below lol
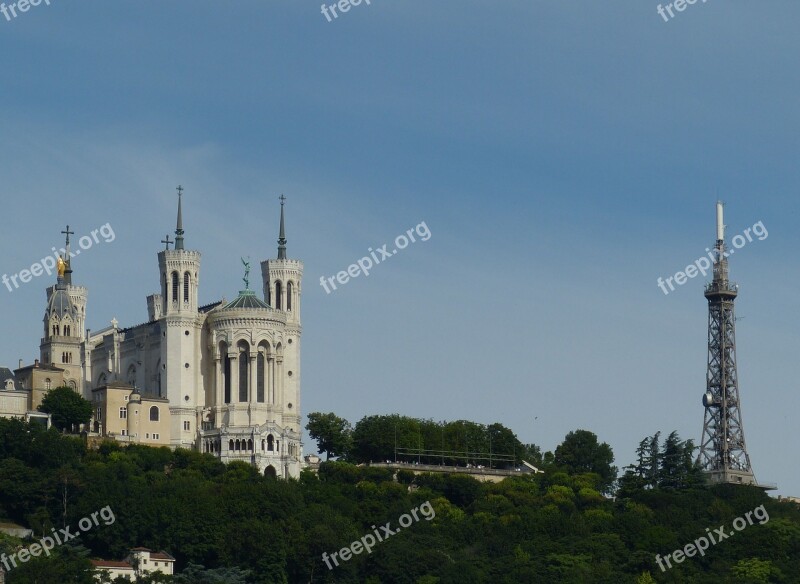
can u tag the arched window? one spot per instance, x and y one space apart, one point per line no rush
230 445
260 377
154 413
186 277
67 330
263 445
227 373
250 445
270 443
244 366
278 295
289 289
174 286
47 383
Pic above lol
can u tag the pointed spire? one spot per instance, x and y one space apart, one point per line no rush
282 235
179 228
67 258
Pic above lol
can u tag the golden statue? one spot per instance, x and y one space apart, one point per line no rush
62 266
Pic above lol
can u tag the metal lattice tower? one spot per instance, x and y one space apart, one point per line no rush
723 453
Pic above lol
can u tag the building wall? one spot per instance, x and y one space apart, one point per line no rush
13 403
136 423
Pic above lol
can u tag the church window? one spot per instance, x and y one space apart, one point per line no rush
250 445
263 445
186 277
230 445
227 379
244 362
289 288
260 377
123 413
278 295
270 443
174 286
67 330
154 413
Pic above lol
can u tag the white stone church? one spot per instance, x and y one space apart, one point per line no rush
228 372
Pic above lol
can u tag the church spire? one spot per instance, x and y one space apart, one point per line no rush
282 235
179 228
67 259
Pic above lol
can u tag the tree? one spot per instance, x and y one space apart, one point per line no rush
67 408
333 434
581 453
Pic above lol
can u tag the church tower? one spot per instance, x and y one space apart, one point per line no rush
181 325
64 319
282 278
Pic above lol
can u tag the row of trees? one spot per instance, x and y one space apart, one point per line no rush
394 437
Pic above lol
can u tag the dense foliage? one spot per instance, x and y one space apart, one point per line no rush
230 524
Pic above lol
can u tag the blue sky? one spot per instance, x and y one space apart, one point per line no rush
563 155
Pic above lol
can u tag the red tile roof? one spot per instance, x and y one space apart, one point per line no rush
112 564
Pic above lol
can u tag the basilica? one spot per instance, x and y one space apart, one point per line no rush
221 378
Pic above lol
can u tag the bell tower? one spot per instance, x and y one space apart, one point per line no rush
64 319
282 278
181 324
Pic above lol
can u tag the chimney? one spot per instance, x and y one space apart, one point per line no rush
36 362
20 364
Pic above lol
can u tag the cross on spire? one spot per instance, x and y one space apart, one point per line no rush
166 241
67 256
179 227
282 234
68 233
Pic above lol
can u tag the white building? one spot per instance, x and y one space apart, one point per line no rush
229 370
139 562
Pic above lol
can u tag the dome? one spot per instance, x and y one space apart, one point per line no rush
247 299
60 302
